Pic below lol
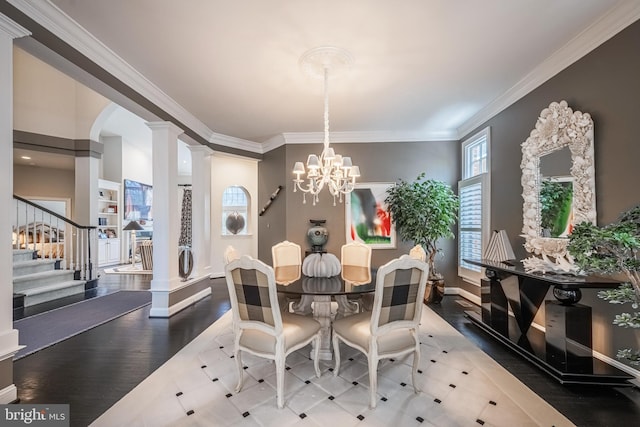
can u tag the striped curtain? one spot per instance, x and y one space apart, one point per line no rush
185 227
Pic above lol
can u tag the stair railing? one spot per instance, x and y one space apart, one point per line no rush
47 233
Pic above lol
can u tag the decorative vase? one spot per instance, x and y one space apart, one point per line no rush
185 262
567 296
321 265
317 235
234 222
434 292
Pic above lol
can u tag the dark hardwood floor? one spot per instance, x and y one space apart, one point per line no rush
93 370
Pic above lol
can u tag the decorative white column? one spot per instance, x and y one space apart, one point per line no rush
85 203
166 218
201 209
9 30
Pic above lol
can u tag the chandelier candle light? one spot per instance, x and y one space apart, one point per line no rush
329 169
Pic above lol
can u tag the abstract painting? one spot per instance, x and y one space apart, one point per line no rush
366 217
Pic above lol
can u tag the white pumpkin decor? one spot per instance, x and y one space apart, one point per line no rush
321 265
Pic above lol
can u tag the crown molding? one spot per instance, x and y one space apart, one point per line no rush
233 142
615 20
367 137
14 30
273 143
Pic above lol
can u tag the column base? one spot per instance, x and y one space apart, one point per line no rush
166 303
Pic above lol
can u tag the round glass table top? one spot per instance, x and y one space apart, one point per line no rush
334 285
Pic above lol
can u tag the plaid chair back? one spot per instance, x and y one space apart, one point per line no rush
399 289
249 282
146 254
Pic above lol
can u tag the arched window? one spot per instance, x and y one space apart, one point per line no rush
235 211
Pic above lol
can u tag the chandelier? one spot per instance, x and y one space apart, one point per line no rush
330 170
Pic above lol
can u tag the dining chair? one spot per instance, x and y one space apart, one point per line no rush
287 262
391 328
230 253
258 324
355 261
418 252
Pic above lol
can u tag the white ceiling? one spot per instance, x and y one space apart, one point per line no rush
422 70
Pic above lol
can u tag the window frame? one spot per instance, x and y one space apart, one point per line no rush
242 209
484 178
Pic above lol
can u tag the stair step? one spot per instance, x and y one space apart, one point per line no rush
29 281
52 291
22 268
22 255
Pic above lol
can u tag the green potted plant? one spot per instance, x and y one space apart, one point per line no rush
613 249
423 212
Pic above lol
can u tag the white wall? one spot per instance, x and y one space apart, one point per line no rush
229 171
136 163
48 102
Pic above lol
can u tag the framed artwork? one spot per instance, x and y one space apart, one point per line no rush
367 219
138 201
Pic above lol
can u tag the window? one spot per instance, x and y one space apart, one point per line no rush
473 191
235 211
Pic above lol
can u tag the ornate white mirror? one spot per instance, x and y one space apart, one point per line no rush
558 183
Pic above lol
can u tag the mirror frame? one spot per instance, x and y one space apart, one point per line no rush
557 127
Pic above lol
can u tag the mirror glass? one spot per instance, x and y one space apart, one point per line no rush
556 194
558 185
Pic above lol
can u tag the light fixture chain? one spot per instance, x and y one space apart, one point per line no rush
326 107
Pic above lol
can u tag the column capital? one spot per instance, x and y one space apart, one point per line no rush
200 149
164 125
12 29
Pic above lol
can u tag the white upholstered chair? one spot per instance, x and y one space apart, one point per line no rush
355 262
418 252
230 253
259 326
287 262
391 328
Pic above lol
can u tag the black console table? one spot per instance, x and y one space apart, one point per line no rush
564 349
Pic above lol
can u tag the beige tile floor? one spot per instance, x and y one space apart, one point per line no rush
460 386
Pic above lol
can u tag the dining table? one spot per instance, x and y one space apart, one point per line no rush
317 293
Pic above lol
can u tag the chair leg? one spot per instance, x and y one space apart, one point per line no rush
373 380
238 358
280 359
414 371
316 356
336 354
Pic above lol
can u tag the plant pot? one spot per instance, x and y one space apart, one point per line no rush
434 291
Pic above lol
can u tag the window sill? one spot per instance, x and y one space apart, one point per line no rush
228 236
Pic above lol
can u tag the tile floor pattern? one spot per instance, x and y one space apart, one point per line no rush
460 386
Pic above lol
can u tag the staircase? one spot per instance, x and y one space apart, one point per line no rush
37 280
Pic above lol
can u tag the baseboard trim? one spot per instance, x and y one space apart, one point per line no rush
161 305
464 294
9 394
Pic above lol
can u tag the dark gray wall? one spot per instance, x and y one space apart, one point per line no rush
379 162
272 172
606 84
